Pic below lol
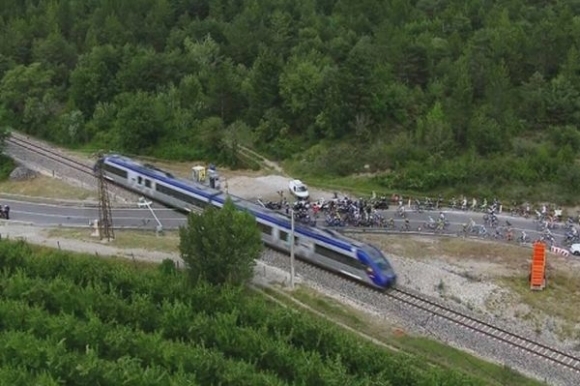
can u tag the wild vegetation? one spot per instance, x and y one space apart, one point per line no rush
431 94
84 321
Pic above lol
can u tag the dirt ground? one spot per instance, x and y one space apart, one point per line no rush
267 187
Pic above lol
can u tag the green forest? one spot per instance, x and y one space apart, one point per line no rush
80 320
428 95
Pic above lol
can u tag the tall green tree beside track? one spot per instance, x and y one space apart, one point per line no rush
220 245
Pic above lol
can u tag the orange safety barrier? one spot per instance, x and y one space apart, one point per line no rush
538 267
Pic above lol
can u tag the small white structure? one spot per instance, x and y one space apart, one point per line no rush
298 189
96 230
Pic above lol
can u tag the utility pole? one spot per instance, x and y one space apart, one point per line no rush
105 216
292 241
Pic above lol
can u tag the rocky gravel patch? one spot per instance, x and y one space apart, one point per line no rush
22 173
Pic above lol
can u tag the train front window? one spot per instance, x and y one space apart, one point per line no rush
378 258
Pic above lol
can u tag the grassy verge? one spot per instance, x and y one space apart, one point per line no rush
421 247
559 299
430 350
47 187
126 239
7 165
365 185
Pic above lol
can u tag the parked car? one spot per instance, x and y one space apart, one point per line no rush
298 189
575 249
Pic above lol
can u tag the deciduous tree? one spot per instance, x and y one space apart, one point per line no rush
220 245
93 79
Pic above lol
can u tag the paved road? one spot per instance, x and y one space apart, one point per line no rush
458 218
51 215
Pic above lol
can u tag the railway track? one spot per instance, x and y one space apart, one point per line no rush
50 154
473 324
470 324
83 170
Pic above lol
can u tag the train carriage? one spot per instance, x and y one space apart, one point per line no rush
325 248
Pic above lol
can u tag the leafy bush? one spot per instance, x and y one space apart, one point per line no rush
7 165
472 174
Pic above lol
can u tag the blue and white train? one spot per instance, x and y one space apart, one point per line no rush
325 248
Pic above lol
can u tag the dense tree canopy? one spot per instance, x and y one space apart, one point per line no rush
441 93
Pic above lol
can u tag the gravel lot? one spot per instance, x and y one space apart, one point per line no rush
266 188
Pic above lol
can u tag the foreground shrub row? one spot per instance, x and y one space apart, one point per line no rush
82 321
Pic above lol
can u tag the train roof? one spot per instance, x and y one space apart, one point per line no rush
162 175
325 235
138 165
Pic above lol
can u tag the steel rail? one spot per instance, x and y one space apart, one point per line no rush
55 156
464 320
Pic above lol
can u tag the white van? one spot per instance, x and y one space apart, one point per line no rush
298 189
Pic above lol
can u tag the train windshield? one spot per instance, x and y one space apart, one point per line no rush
378 258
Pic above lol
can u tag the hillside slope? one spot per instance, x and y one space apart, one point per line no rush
473 96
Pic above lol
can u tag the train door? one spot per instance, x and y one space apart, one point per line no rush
147 185
142 184
304 246
132 180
